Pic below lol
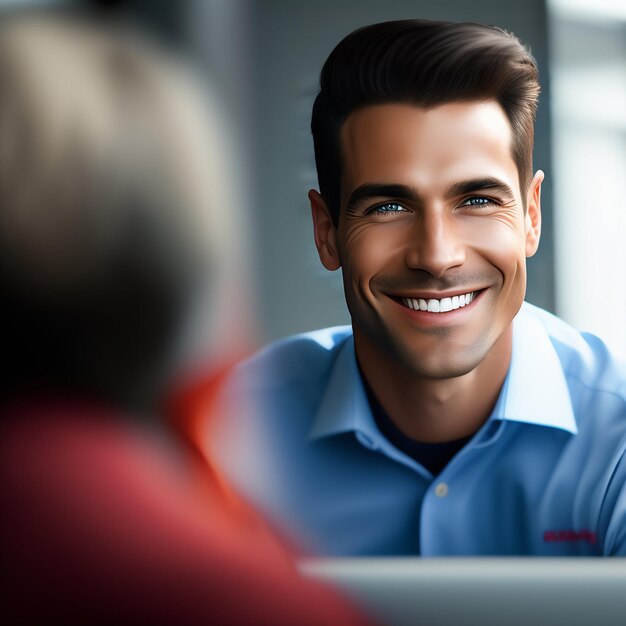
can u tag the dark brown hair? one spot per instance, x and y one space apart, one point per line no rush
425 64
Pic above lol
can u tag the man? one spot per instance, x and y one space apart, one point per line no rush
451 419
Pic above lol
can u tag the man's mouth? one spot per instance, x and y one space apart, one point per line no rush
444 305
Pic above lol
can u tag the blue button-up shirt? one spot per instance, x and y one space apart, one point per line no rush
544 475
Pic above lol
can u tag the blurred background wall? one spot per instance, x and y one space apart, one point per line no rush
264 56
588 67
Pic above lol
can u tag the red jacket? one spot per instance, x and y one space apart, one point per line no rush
102 524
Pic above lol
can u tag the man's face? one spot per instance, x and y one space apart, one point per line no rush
432 236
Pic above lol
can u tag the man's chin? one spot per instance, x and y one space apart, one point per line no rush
442 363
430 355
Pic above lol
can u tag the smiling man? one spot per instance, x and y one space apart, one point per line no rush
450 418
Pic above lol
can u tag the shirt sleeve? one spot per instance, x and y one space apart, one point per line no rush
612 519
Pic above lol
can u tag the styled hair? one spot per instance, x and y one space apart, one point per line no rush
425 64
110 203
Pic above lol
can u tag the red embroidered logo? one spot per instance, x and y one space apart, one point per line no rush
569 535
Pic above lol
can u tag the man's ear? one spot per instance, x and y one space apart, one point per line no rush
325 232
533 214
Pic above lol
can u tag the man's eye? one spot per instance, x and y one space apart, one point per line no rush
478 201
390 208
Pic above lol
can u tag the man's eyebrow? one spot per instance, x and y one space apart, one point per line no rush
368 191
479 184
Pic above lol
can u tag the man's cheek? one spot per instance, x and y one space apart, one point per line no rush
500 244
373 250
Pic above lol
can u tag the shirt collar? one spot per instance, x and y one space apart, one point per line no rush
344 406
534 392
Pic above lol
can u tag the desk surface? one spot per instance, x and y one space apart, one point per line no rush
511 592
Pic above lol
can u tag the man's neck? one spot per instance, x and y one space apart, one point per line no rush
437 410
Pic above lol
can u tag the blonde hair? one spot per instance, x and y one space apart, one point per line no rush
113 194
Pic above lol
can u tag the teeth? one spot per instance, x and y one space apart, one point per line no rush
434 305
439 306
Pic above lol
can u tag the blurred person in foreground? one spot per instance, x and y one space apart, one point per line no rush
115 220
451 418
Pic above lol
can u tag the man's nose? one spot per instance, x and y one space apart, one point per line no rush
435 244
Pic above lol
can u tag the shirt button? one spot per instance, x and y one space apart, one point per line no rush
441 490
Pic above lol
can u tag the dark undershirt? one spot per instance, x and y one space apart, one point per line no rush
433 456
